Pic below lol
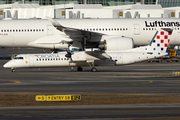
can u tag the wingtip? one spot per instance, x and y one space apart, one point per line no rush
49 18
53 22
168 29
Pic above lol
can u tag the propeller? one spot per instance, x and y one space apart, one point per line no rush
68 55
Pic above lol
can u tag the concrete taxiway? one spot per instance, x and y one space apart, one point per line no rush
140 78
90 112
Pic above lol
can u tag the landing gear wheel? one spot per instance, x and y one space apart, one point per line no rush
79 69
12 70
93 69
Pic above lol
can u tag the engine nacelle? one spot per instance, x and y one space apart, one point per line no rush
116 43
52 42
50 46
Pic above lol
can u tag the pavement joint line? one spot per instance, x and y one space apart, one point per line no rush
95 107
17 81
153 75
149 82
12 82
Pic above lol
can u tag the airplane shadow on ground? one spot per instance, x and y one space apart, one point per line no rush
44 70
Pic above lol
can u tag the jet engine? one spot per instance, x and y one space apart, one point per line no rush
116 43
52 42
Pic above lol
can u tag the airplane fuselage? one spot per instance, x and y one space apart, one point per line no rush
18 33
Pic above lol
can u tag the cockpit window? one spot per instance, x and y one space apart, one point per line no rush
18 58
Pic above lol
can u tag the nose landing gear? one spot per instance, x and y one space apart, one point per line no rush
12 70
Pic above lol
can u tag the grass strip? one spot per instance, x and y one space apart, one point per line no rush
28 99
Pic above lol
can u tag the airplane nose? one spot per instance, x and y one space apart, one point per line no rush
7 65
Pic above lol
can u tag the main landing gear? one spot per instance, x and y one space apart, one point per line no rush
79 69
91 64
93 69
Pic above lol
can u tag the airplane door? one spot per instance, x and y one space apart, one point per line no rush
49 29
120 58
31 60
136 29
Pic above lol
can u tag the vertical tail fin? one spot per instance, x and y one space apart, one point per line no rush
160 41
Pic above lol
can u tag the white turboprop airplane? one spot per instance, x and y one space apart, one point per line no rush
106 34
156 48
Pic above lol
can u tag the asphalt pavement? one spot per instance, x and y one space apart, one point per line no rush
140 78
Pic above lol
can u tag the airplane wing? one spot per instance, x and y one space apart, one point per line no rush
101 55
89 56
73 33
